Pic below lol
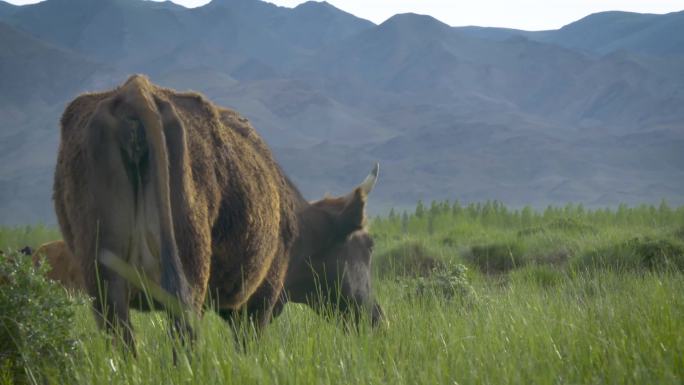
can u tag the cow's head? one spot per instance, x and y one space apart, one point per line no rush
331 265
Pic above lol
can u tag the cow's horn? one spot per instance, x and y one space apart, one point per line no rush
368 183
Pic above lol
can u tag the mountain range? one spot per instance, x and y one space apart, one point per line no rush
591 112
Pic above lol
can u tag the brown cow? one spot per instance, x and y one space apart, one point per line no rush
63 267
188 193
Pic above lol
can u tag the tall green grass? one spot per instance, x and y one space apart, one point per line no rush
18 237
606 328
591 296
495 239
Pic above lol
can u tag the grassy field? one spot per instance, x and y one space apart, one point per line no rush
473 295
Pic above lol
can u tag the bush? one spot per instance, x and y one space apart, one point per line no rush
410 258
497 257
35 323
528 231
557 257
538 275
679 233
450 283
659 254
568 225
637 254
449 240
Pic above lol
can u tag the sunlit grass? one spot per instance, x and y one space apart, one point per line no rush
602 328
554 318
33 236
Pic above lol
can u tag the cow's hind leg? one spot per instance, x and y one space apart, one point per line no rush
242 324
249 321
246 323
111 292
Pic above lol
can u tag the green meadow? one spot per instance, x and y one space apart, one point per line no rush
476 294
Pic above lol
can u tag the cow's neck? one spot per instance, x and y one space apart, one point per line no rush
313 236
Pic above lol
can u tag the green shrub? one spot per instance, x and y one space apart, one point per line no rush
660 254
538 275
497 257
409 258
679 233
636 254
450 283
568 225
533 230
556 257
35 323
449 240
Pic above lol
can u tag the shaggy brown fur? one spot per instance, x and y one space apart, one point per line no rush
63 267
190 194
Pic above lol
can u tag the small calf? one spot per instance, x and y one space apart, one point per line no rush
63 267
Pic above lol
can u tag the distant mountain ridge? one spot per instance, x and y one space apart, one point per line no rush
607 32
588 113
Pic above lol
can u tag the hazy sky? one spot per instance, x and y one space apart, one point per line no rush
523 14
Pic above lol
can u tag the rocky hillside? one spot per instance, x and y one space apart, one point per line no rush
588 113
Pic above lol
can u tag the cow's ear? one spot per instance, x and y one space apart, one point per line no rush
353 215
